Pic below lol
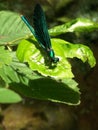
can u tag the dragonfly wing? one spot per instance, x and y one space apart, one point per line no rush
40 27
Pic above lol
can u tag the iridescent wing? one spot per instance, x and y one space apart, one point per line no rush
40 27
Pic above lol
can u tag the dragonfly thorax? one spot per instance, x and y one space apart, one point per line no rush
52 56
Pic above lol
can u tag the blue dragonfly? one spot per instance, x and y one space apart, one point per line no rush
40 31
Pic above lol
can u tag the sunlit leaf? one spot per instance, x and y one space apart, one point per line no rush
12 28
28 52
77 25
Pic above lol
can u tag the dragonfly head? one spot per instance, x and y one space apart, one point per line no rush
55 59
52 56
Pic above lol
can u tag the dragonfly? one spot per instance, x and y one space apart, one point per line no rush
40 31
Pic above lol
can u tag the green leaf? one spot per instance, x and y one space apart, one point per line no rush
77 25
5 57
5 60
3 75
12 28
8 96
48 89
28 52
8 74
24 73
17 72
